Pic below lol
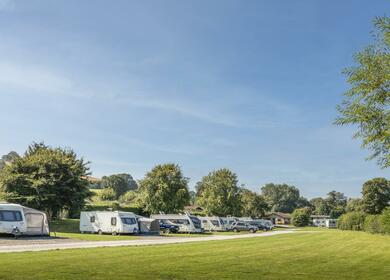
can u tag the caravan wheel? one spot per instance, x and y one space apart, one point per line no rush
100 232
114 233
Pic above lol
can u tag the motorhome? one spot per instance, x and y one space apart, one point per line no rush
19 220
187 223
213 223
113 222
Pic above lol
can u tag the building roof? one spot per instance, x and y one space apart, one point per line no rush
281 215
319 216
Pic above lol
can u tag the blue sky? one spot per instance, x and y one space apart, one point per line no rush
248 85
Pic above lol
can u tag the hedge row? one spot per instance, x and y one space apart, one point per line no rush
369 223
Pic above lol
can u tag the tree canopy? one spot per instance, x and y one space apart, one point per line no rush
218 193
281 198
164 188
50 179
120 183
367 102
252 204
376 195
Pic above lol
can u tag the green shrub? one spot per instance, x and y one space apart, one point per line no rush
301 217
107 194
351 221
385 220
373 224
129 197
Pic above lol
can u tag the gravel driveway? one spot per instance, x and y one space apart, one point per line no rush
46 244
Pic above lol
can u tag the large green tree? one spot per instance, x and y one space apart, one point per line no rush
165 189
376 195
367 102
252 204
50 179
336 203
281 198
120 183
320 207
219 194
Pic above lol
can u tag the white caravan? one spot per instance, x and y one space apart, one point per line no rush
213 223
114 222
187 223
19 220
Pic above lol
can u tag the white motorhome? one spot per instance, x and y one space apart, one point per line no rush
187 223
19 220
114 222
213 223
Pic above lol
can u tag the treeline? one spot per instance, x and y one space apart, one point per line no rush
371 213
56 180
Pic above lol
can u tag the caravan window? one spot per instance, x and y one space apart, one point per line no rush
10 216
215 223
129 221
92 219
180 221
113 221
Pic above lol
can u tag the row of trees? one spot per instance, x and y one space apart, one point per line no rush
54 180
355 213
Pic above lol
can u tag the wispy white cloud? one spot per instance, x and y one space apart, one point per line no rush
33 78
41 79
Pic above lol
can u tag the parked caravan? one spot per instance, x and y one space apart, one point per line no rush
187 223
331 223
114 222
19 220
213 223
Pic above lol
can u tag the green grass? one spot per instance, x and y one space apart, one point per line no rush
318 255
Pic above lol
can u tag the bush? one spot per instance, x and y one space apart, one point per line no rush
351 221
385 220
301 217
107 194
373 224
130 196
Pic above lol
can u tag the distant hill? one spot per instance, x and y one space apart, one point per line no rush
8 158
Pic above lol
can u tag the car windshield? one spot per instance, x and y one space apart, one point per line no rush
129 221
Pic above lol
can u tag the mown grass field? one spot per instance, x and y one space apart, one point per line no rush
329 254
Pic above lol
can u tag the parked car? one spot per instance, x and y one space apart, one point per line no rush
243 226
260 225
168 228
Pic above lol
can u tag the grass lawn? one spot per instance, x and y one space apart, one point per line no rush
330 254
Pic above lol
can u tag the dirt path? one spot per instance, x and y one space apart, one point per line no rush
139 242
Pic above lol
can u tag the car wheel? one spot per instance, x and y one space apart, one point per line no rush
235 230
251 230
100 232
167 231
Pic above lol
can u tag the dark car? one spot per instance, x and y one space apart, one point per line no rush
168 228
259 225
243 226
